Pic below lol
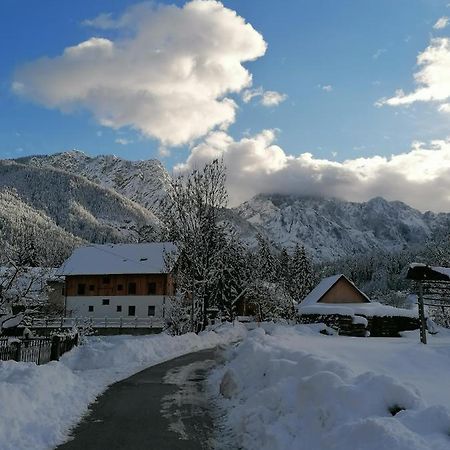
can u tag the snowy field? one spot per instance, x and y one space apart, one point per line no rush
293 388
39 404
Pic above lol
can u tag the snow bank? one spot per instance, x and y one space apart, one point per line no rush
39 404
296 389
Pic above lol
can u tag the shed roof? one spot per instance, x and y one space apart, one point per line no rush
324 286
422 272
116 259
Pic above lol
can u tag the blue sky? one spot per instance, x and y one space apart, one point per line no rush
364 50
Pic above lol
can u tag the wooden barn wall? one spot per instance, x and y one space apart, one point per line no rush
343 292
95 284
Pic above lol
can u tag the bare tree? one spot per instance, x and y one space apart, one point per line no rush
191 215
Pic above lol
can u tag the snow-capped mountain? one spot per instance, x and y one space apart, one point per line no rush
75 204
102 197
145 182
331 228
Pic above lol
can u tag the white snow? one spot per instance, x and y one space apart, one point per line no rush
39 404
109 259
350 309
297 389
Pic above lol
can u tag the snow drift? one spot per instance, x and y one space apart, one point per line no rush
39 404
294 389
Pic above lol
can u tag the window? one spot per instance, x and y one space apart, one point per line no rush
106 280
132 310
120 287
91 287
151 310
132 288
91 308
81 289
119 308
151 289
105 301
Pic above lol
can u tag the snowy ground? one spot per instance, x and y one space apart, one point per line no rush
39 404
293 388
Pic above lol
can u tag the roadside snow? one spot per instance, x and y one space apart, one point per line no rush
39 404
296 389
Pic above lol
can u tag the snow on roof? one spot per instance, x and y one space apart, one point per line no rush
110 259
350 309
419 271
323 287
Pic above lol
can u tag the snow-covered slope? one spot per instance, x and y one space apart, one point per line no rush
145 182
80 207
331 228
31 234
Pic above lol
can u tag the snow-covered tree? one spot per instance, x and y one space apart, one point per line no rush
300 274
192 222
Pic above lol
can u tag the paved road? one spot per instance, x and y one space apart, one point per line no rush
162 407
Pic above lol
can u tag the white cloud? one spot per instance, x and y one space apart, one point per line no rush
419 177
267 98
168 76
123 141
441 23
432 79
326 87
378 53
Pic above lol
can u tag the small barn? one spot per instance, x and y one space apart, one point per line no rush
338 303
335 289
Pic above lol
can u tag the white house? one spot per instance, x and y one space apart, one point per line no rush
118 280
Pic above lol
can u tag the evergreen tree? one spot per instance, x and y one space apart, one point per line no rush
301 275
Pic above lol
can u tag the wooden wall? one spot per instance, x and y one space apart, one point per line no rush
113 285
343 292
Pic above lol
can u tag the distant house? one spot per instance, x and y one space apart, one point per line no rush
118 280
335 289
338 303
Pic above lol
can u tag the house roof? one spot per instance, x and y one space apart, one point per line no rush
422 272
324 286
116 259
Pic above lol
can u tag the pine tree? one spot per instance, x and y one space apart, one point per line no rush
301 274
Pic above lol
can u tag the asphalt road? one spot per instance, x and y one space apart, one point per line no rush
163 407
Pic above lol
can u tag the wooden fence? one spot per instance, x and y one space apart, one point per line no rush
96 322
38 350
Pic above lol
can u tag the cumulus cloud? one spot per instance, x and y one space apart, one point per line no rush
168 74
441 23
267 98
432 79
419 177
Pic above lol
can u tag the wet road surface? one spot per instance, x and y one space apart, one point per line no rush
164 407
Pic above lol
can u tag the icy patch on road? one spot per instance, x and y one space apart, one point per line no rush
297 389
189 401
40 404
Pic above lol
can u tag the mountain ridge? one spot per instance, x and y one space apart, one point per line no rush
329 228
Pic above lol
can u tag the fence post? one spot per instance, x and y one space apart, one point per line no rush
121 325
55 349
16 350
106 322
423 322
135 322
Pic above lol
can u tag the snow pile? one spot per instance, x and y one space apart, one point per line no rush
292 388
39 404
